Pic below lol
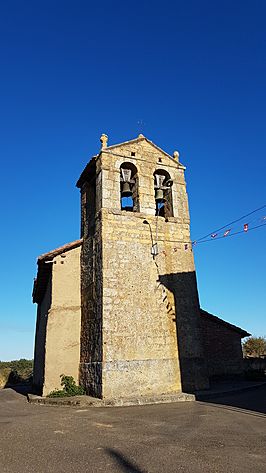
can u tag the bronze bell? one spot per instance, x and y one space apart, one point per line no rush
159 197
126 191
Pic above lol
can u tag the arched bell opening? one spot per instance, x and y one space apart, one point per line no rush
163 193
129 187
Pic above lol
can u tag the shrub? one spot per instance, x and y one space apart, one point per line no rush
69 388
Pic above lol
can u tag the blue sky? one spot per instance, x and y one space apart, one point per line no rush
193 72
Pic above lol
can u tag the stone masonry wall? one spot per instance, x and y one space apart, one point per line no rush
140 354
91 314
143 326
222 349
91 289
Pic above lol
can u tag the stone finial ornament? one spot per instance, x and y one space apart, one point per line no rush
104 140
176 155
141 135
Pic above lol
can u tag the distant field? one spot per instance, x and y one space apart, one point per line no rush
15 371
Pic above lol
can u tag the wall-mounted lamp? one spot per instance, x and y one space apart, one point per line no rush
154 246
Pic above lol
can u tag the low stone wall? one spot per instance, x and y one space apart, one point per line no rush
255 364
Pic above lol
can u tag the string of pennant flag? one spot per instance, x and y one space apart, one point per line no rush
246 222
229 230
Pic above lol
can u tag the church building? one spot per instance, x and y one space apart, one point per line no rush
118 309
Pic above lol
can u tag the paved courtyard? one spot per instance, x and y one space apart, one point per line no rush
225 435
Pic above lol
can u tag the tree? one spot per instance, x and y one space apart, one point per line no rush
255 346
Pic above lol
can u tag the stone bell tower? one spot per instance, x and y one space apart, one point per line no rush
140 310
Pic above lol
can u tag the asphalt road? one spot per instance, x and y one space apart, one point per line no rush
182 437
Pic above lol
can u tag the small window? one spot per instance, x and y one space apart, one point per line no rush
133 153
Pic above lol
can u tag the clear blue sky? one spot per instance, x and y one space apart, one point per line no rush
193 71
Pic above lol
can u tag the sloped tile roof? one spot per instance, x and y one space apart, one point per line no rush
60 250
215 319
45 267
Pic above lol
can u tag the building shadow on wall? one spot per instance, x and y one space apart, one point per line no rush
183 287
124 464
192 359
19 380
44 305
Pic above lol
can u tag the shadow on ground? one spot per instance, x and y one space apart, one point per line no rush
252 401
125 464
23 389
